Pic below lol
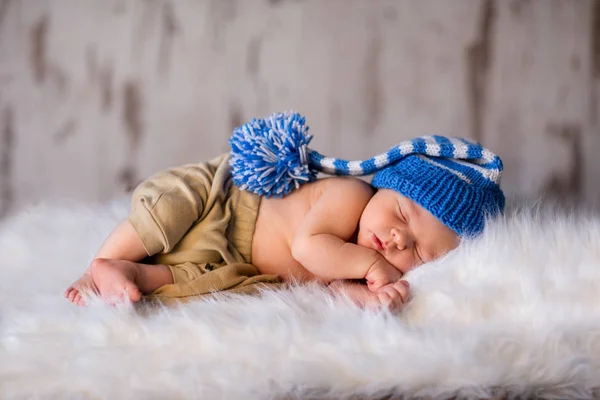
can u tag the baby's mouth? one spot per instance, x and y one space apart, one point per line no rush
378 243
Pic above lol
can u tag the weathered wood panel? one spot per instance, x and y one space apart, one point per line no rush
538 115
97 94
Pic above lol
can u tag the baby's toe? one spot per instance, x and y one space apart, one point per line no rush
79 300
132 292
72 295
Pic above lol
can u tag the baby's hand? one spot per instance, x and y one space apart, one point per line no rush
391 296
380 274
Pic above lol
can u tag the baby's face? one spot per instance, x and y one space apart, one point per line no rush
402 231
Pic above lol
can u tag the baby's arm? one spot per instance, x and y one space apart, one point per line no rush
321 241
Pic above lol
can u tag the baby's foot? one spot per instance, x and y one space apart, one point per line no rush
80 288
113 280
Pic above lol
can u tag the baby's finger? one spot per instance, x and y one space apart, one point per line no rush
389 298
403 288
385 299
397 294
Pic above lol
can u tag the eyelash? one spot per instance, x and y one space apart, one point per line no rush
401 214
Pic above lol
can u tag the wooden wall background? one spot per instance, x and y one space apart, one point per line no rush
98 94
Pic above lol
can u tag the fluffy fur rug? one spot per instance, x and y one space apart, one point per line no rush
516 312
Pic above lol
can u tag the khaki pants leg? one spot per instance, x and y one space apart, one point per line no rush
192 280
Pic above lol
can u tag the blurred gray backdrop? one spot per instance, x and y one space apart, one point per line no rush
96 95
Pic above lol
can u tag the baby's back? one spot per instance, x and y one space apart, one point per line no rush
277 222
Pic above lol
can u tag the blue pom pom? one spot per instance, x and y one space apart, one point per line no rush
269 156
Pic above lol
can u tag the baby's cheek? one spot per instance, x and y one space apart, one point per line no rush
363 241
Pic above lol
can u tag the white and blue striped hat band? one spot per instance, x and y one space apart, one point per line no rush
456 179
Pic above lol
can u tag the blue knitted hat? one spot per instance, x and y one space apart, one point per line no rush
454 179
457 180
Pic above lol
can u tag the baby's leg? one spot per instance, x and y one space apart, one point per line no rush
118 280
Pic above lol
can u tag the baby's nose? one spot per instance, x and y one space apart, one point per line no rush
401 239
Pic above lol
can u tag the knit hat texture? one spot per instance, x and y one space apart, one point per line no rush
455 179
458 181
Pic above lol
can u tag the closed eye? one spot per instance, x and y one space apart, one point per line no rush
401 214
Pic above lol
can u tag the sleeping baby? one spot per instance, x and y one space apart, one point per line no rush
199 228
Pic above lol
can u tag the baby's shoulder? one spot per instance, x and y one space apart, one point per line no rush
339 197
352 191
347 184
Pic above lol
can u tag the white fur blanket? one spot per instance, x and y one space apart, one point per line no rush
516 312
